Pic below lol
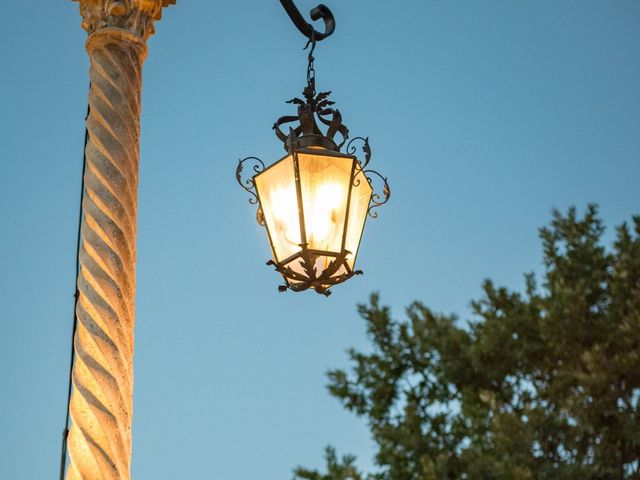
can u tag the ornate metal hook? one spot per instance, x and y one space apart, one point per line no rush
317 13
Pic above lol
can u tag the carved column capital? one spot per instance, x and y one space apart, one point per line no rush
134 16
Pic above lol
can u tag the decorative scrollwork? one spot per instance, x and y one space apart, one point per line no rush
377 199
314 106
135 16
309 277
249 185
366 148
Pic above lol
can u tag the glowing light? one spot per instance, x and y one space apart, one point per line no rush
285 213
314 205
321 212
323 218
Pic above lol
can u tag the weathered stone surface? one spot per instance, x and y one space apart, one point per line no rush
136 16
99 441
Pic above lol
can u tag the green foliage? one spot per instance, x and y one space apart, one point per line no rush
336 470
543 384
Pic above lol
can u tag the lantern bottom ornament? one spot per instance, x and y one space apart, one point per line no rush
315 200
304 274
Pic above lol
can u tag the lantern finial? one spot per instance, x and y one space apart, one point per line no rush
308 133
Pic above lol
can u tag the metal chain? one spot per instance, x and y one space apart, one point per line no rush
311 72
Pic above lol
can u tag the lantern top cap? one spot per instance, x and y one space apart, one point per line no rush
313 111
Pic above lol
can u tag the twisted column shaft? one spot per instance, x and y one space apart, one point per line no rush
99 441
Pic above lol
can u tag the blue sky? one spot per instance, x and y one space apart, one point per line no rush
484 115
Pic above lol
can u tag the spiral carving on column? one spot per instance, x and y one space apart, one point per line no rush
99 441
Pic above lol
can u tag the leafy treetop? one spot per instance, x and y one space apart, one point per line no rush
543 384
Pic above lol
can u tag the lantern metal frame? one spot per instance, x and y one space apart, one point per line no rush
322 282
308 139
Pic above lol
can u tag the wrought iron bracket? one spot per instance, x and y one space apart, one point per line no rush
249 185
377 199
366 148
317 13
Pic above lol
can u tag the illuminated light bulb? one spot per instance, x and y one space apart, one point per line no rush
323 211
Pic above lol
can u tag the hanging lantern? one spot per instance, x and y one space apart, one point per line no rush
314 201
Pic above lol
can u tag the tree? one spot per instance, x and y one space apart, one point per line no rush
543 384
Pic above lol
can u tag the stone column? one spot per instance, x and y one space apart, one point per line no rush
99 440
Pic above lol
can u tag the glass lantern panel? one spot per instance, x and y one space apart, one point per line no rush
324 181
277 191
358 207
